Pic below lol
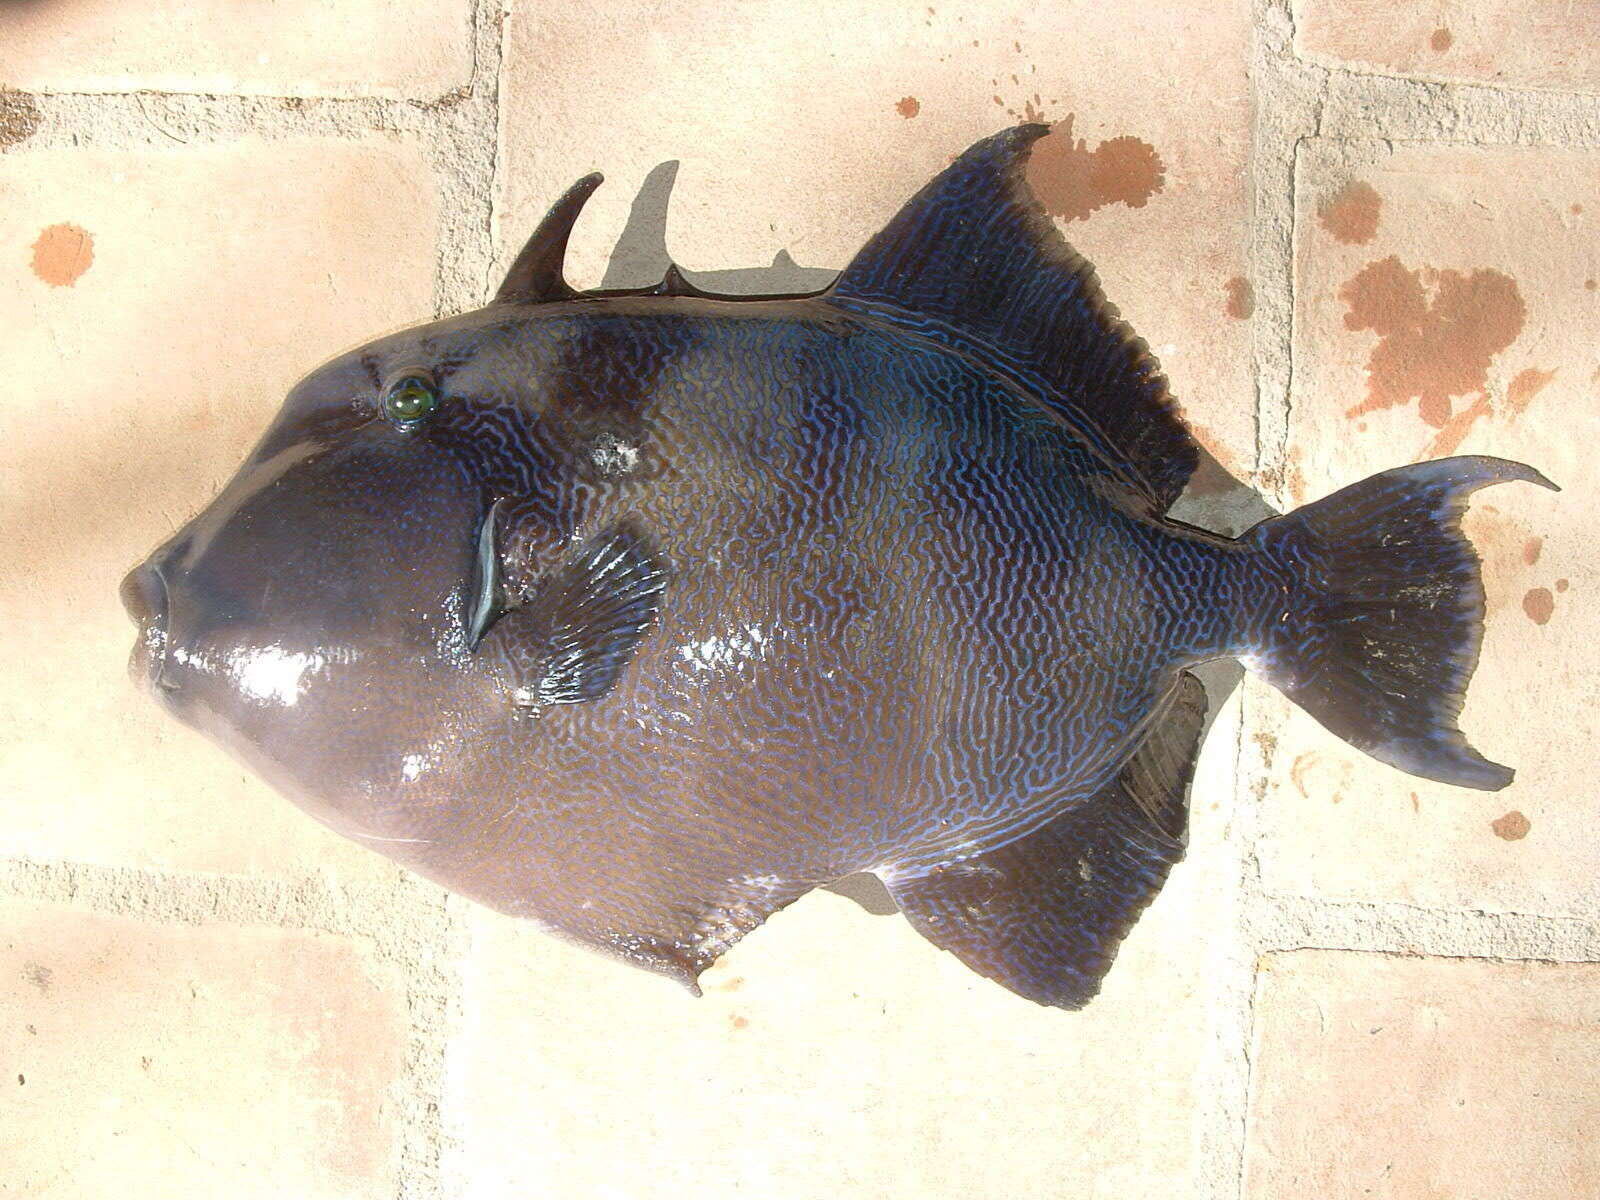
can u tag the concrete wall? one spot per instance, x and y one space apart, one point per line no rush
1357 235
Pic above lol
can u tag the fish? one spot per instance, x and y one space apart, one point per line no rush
639 614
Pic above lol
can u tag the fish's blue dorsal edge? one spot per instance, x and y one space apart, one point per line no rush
974 256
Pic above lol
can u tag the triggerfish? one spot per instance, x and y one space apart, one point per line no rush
642 613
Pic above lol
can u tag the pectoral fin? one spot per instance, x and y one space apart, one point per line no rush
576 636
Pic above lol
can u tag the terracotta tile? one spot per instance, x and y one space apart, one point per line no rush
837 1053
821 124
148 1060
158 306
288 48
1478 41
1423 1078
1511 371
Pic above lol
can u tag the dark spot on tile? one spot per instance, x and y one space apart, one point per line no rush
1437 332
1440 41
1539 604
62 254
1073 182
1530 550
1351 214
40 976
908 107
21 1079
19 117
1241 298
1590 284
1512 827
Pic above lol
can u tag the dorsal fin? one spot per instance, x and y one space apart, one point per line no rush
674 284
975 251
536 274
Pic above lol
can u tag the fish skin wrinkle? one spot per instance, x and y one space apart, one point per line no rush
640 614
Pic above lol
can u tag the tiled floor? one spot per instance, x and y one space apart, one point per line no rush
1355 238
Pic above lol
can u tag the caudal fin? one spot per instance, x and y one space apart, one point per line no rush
1381 614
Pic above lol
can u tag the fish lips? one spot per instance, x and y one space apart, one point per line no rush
147 600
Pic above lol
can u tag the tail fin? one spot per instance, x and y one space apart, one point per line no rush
1380 616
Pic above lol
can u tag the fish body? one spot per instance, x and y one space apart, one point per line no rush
642 614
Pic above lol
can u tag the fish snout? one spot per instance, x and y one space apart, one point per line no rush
144 594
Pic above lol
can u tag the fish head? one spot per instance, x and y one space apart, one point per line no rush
319 618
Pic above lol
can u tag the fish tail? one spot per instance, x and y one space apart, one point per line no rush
1374 617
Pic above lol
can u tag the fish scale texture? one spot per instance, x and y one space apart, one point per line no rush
903 619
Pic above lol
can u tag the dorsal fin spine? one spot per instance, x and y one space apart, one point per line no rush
536 275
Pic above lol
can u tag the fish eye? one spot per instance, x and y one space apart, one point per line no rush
410 401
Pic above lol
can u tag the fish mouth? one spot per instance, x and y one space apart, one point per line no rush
145 596
488 592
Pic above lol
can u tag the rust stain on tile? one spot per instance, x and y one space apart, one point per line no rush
1241 300
1539 604
1530 550
1455 430
1351 214
1519 393
1297 772
908 106
1562 585
1512 827
62 254
1438 331
1441 40
1033 110
738 1022
1524 386
1073 182
19 117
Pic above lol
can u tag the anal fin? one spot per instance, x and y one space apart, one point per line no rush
1044 915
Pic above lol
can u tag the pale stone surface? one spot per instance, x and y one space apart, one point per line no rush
286 48
157 306
147 1060
837 1053
1423 1079
791 124
1512 372
1508 42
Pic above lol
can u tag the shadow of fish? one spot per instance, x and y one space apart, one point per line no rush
642 613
